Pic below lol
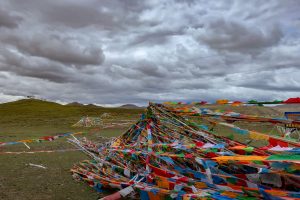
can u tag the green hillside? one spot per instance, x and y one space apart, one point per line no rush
29 119
29 108
28 116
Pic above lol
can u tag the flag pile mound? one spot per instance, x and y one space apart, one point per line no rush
168 154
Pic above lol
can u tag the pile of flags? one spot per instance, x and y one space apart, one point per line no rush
170 153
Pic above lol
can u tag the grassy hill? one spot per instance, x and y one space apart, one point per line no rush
33 108
28 115
28 119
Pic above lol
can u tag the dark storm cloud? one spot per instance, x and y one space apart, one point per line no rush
149 69
157 37
9 20
61 48
124 51
272 87
283 79
107 14
33 67
234 36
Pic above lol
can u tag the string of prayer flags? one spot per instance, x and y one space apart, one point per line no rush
41 139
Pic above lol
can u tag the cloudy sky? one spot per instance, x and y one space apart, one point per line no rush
133 51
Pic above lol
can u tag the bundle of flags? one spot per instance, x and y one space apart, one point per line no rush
168 154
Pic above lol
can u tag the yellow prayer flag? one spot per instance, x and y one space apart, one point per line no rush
258 136
240 158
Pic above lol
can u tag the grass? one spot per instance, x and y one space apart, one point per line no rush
27 119
20 181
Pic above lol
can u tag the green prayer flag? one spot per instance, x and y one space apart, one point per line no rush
284 157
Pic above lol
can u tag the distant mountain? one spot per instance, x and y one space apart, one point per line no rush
74 104
77 104
130 106
93 106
